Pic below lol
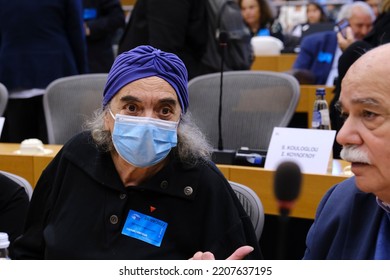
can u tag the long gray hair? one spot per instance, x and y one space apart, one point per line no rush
192 145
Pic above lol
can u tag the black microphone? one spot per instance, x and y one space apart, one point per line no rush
220 155
223 42
287 185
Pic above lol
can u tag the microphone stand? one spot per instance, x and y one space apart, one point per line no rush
220 155
222 47
282 236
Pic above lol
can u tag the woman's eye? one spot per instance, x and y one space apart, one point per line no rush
165 111
132 108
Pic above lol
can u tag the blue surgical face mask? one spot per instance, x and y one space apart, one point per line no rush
143 141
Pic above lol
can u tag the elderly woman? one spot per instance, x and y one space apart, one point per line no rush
138 184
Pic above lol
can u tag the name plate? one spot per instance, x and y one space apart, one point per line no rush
309 148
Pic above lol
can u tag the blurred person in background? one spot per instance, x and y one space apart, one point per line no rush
291 15
102 20
40 41
320 52
259 15
315 14
375 5
177 26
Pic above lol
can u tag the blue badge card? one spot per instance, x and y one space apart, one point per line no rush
145 228
89 13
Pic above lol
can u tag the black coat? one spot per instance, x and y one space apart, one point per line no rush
176 26
13 207
103 26
40 41
80 205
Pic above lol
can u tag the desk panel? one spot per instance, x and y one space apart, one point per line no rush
277 63
314 186
20 165
28 166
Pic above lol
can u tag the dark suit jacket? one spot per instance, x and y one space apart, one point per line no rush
40 41
103 26
317 54
346 224
177 26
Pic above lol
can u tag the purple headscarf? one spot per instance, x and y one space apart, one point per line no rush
146 61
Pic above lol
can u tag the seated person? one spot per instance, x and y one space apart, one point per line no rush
259 16
375 5
377 36
14 203
315 14
319 52
291 15
353 218
139 183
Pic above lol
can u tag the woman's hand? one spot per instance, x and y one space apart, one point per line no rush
239 254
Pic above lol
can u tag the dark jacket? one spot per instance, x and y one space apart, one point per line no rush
104 18
80 205
346 225
272 28
317 54
13 207
380 32
177 26
40 41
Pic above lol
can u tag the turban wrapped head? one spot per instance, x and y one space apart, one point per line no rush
143 62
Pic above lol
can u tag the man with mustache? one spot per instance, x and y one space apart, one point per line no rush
353 218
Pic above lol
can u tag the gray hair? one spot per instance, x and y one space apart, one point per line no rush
192 145
346 10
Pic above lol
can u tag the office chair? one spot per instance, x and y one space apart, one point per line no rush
252 205
3 99
68 102
253 103
20 181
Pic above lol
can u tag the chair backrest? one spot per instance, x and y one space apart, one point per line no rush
252 205
68 102
20 181
3 98
266 45
253 103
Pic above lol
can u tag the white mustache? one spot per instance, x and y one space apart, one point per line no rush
353 154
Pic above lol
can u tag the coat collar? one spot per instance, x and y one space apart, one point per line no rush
175 179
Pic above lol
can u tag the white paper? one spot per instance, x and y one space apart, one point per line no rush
309 148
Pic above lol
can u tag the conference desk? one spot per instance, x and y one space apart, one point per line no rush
277 63
28 166
260 180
